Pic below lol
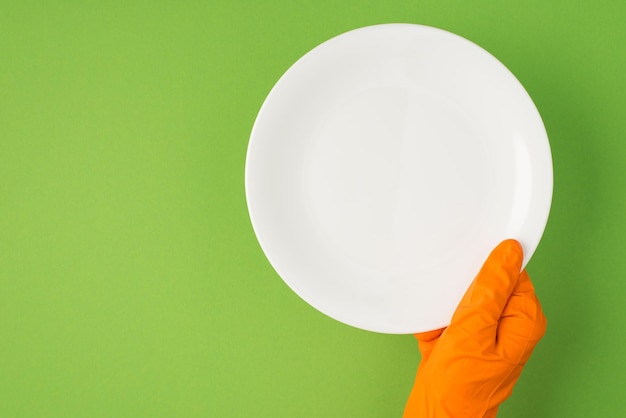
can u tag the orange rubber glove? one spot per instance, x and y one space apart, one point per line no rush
469 368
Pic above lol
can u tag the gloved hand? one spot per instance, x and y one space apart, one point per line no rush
469 368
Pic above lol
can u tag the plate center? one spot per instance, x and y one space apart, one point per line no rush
396 177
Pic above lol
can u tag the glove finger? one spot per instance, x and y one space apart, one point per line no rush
480 309
523 323
426 342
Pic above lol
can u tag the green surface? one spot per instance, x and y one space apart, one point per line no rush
131 284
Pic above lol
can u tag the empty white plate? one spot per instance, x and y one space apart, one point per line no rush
383 168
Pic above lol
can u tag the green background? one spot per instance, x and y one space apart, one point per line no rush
131 283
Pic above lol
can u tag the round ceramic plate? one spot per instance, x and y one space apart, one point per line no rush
383 168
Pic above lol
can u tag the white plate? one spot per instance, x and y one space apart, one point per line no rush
385 165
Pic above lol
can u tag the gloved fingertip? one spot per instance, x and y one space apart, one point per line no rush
508 254
511 249
429 335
